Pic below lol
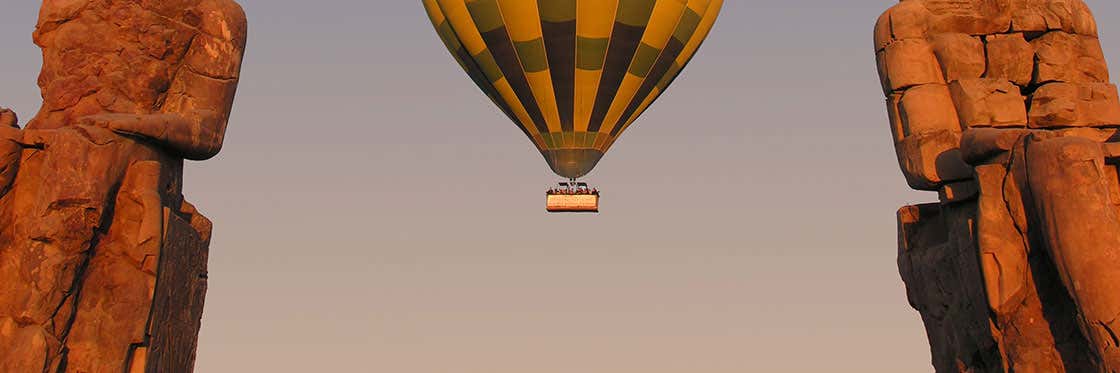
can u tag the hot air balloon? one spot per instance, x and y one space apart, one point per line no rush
573 74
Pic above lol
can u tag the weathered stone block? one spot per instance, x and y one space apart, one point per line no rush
1058 105
961 55
1070 58
909 20
1011 58
1071 16
989 103
929 160
973 17
928 108
911 63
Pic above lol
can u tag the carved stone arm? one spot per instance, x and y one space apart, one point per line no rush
923 117
192 120
197 135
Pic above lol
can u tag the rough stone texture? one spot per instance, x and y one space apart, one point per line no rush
928 108
1017 267
989 103
911 63
102 261
1010 57
1060 104
1070 58
962 56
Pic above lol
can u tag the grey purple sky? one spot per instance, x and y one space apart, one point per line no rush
374 213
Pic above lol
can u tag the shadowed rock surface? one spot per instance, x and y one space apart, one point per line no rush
102 261
1004 108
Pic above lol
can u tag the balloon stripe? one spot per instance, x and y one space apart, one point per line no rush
664 63
558 24
573 74
666 16
522 21
466 31
487 87
463 25
493 30
694 44
594 22
509 100
687 26
701 33
630 24
434 13
467 62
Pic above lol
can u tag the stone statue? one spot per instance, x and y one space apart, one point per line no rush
102 261
1005 108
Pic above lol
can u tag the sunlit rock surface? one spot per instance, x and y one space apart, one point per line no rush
1017 267
102 261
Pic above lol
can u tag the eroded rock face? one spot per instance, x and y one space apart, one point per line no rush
1017 268
102 261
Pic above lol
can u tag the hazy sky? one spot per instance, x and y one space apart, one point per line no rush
374 213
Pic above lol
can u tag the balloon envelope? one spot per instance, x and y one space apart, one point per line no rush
573 74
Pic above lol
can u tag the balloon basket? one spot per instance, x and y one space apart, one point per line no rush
586 203
573 198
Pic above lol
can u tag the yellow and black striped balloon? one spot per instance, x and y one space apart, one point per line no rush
573 74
